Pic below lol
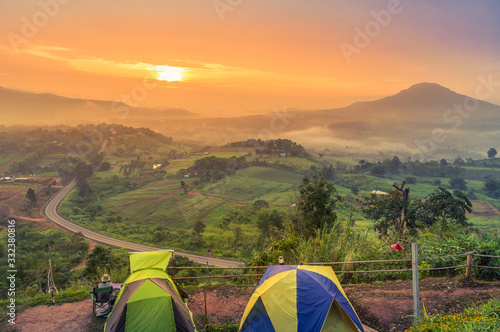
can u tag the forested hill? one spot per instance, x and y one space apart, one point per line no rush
273 146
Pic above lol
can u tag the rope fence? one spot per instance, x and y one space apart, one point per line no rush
469 267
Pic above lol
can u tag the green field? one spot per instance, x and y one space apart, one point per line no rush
166 199
165 204
5 158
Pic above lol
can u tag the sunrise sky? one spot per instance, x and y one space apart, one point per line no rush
233 57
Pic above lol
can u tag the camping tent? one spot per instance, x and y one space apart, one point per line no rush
149 300
299 298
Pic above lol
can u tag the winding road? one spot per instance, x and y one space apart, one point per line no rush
52 213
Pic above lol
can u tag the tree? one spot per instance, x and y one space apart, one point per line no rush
442 206
30 194
354 190
93 209
411 180
458 183
183 184
317 203
82 172
96 159
105 166
98 261
394 211
394 164
267 219
492 187
259 204
199 227
443 162
84 189
492 153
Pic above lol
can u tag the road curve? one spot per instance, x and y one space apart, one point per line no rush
52 213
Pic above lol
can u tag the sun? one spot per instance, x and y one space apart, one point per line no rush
170 74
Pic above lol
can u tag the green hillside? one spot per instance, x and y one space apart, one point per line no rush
204 201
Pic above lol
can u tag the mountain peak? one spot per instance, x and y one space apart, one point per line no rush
426 87
422 96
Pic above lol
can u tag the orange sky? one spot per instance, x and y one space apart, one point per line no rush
246 56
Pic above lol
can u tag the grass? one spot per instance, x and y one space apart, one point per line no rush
486 224
164 206
478 318
5 158
350 161
51 158
272 174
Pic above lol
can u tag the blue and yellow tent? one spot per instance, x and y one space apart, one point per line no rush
299 298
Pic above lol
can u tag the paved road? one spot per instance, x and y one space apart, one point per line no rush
52 213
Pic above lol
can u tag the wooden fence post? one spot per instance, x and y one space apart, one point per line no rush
468 272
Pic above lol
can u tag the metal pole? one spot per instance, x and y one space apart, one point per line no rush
415 288
206 315
208 273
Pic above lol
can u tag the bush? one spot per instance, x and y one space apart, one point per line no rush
411 180
458 183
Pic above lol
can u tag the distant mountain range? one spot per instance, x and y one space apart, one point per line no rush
422 120
20 107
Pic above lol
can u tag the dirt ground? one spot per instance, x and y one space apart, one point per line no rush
384 306
73 317
388 306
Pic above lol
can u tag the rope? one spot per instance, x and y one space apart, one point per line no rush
485 256
373 271
442 268
356 262
442 257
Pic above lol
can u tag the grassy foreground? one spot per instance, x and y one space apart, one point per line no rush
478 318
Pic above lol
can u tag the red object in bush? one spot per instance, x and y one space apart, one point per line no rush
397 247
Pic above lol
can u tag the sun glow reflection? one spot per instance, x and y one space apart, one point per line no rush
170 74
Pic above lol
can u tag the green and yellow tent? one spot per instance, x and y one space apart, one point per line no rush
149 300
299 298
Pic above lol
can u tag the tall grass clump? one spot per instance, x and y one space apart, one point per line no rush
339 243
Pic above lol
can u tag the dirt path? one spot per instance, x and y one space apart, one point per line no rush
74 317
